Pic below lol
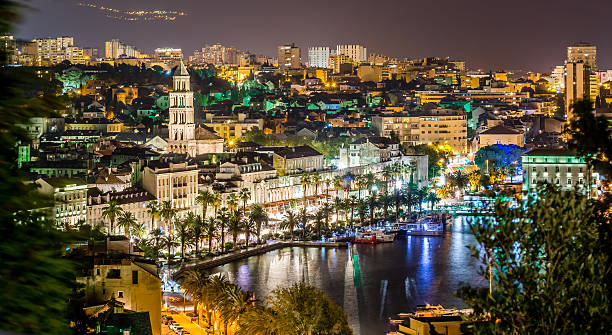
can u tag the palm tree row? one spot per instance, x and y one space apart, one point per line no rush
224 308
115 214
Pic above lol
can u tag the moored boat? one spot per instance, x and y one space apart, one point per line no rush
368 238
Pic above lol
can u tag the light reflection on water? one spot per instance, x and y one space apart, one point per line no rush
392 278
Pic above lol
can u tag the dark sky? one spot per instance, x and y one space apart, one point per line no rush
491 34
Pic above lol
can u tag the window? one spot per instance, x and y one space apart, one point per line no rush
98 271
114 274
545 169
119 294
569 181
556 169
135 277
533 169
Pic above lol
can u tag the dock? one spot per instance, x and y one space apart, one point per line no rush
243 254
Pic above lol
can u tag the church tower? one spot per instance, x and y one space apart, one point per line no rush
181 126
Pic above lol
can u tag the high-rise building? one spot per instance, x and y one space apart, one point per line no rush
116 49
577 84
358 53
91 53
53 50
289 56
318 57
582 52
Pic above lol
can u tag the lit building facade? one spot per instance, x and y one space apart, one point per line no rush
289 56
174 182
319 57
114 49
357 53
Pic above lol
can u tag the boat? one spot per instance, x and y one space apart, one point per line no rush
426 226
367 238
384 237
434 311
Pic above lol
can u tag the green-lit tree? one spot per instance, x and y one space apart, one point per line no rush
298 309
549 264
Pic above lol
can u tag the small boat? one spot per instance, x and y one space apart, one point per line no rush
368 238
384 237
434 310
427 226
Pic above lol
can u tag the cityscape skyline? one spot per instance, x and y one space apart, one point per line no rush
540 51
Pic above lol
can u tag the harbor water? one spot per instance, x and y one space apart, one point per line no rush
371 282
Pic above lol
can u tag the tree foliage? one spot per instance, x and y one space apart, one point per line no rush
498 155
550 265
589 135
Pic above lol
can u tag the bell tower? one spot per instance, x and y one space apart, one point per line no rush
181 126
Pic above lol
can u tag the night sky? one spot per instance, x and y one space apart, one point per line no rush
491 34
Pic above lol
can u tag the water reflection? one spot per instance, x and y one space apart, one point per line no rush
372 283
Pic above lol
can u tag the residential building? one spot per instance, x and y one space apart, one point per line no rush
501 134
577 84
114 49
356 52
69 197
560 167
436 126
582 52
300 159
51 50
289 57
368 150
232 128
101 125
169 56
174 182
319 57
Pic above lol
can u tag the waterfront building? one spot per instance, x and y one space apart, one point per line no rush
501 134
442 126
300 159
133 200
174 182
357 53
319 57
560 167
289 56
69 196
368 150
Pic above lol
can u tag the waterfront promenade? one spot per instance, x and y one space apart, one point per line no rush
242 254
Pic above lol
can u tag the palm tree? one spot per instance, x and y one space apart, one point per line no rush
182 231
205 198
326 209
245 196
458 180
215 200
169 241
372 206
153 210
316 181
361 183
127 221
232 202
167 213
338 205
194 283
210 231
350 204
290 221
248 226
474 179
233 304
196 227
348 179
386 201
155 243
222 219
319 222
259 216
387 174
338 183
111 212
234 226
362 205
